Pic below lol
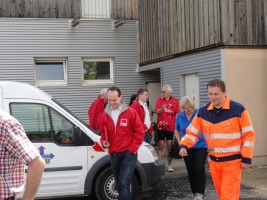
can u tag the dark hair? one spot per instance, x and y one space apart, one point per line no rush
141 91
115 89
132 99
217 83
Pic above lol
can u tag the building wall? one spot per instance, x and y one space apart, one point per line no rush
246 82
23 40
207 64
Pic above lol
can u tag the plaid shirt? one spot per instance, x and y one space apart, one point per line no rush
15 151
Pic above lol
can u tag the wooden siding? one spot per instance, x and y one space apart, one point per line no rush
40 8
120 9
172 27
244 22
124 9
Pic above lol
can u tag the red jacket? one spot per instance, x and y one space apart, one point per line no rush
141 112
95 109
128 134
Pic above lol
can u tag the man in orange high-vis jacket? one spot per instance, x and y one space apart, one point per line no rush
229 133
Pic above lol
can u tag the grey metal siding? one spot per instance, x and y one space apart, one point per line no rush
207 64
23 40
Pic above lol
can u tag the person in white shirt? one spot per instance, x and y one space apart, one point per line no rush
141 107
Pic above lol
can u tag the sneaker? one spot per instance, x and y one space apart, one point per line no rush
170 169
198 198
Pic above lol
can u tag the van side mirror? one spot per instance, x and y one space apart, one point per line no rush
77 135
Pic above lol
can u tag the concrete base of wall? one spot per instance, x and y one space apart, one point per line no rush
259 160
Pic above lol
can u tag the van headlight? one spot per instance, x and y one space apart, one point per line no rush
153 152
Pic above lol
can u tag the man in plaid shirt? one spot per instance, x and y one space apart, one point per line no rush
15 151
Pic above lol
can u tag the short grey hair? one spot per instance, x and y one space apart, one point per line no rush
104 90
186 100
168 87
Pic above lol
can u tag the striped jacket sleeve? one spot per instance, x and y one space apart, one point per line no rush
193 131
247 137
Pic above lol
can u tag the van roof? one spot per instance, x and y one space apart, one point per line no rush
19 90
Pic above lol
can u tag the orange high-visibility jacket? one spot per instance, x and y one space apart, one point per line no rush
229 132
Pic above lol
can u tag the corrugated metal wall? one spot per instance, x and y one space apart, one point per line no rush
22 40
207 64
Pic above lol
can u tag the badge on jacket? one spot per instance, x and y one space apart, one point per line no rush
123 122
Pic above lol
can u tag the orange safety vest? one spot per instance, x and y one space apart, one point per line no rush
228 132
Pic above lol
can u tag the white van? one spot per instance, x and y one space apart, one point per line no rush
76 164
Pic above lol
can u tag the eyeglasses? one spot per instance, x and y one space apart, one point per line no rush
163 92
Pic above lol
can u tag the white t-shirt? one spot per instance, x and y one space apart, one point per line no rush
147 121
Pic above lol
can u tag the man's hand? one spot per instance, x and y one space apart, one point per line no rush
245 166
183 152
106 144
159 111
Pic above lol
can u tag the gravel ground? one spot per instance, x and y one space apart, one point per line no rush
175 186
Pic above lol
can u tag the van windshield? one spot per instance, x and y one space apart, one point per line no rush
65 108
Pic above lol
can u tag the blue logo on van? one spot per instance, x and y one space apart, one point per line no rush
47 157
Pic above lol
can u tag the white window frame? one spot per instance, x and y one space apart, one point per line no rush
51 82
96 9
103 81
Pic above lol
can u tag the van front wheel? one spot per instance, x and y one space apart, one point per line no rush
106 189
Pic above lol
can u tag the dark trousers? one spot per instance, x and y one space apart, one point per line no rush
123 166
147 137
195 164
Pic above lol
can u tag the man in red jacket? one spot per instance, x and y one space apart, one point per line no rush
141 107
96 108
122 132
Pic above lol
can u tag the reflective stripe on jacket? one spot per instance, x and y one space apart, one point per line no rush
227 132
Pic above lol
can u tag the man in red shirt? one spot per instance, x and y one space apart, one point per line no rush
141 107
96 108
122 132
167 107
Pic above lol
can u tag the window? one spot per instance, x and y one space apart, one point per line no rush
63 129
50 72
97 71
96 9
35 120
42 123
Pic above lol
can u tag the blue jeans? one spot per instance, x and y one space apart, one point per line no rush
147 137
123 166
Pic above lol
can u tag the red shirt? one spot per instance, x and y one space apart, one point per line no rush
95 109
166 120
128 134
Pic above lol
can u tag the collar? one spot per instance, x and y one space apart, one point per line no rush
141 102
118 110
165 99
226 104
99 97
